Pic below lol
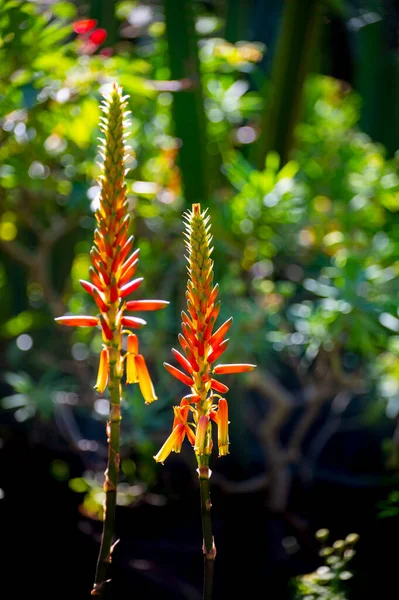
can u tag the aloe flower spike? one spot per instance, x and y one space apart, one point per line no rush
114 263
202 345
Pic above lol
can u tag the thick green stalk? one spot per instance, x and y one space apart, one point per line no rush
188 103
295 52
104 12
377 76
112 471
208 548
237 20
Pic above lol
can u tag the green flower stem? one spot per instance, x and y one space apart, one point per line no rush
111 473
208 548
295 56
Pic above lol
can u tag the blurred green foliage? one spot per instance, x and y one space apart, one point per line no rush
306 254
328 581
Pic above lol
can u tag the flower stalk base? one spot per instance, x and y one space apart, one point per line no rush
111 475
208 548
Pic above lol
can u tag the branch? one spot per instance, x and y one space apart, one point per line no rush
18 253
269 387
254 484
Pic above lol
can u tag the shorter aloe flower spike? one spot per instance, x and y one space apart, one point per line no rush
202 345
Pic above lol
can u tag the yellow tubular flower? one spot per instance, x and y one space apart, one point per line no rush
132 351
131 370
201 435
103 370
145 383
223 427
175 439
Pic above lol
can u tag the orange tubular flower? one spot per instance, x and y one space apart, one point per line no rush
132 350
175 439
201 345
223 369
82 321
102 377
223 427
114 263
145 383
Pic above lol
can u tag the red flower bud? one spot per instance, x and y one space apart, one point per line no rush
183 361
98 36
133 322
238 368
219 387
84 25
179 374
146 304
130 287
79 321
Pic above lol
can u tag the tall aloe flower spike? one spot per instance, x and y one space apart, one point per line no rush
201 348
114 266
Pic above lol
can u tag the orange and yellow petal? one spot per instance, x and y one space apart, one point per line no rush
130 287
223 427
192 398
217 351
79 321
181 414
132 343
146 304
178 374
107 332
220 333
175 439
99 300
201 435
103 371
219 387
131 370
145 383
133 322
233 368
190 434
182 360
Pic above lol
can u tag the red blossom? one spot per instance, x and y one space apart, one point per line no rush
98 36
84 26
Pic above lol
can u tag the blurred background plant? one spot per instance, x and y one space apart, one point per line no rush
328 581
293 146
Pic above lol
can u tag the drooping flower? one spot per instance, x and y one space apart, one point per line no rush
103 371
201 345
114 261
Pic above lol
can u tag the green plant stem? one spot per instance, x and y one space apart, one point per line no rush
188 102
111 473
208 548
295 54
104 12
